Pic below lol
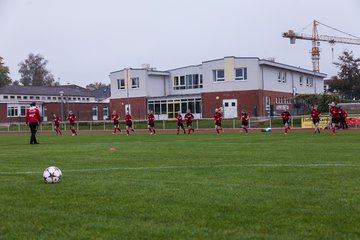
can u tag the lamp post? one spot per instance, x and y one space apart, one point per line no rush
62 104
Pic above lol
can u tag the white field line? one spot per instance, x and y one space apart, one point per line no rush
260 165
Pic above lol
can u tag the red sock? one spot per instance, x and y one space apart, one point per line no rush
178 130
189 131
333 130
114 130
184 130
56 130
119 129
59 131
245 129
286 130
217 130
154 131
127 131
193 130
150 130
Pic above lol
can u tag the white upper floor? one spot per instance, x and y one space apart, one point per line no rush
221 75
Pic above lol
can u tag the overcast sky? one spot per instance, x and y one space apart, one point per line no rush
84 40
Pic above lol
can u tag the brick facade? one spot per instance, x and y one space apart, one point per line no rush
83 111
138 106
250 101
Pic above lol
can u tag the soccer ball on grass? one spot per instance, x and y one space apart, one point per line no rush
52 174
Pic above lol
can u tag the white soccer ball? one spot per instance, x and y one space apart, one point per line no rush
52 174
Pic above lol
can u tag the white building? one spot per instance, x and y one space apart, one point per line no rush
236 83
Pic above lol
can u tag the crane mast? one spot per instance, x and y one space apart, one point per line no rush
315 39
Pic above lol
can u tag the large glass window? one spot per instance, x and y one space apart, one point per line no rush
219 75
190 81
163 107
23 111
240 74
12 111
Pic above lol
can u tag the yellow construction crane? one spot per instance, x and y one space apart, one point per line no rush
315 38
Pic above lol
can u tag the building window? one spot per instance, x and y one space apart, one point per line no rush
45 111
301 80
135 83
170 106
37 97
191 81
179 82
48 98
12 111
309 81
282 77
240 74
12 97
23 111
121 83
219 75
18 97
31 97
87 99
105 113
25 97
6 97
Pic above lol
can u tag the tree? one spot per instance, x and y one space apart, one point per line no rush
4 74
307 101
348 82
34 73
16 83
95 85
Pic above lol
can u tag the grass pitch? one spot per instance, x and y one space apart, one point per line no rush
202 186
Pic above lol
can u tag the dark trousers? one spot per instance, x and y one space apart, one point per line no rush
33 128
343 123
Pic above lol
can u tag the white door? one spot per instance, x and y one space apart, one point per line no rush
230 108
94 113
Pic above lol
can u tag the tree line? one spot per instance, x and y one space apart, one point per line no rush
34 72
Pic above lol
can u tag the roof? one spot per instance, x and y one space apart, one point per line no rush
69 90
292 68
102 93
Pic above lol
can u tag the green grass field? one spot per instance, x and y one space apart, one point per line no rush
203 186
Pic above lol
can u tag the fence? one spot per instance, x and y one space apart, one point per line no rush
205 123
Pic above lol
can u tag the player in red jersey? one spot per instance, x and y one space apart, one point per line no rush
335 117
244 121
115 117
315 116
72 119
33 119
189 117
56 121
128 123
218 119
180 123
151 123
285 115
343 116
